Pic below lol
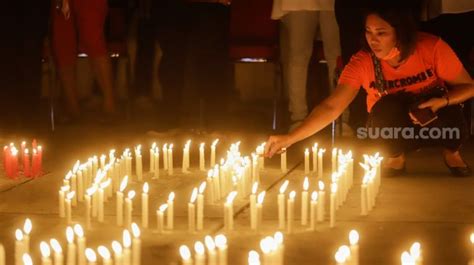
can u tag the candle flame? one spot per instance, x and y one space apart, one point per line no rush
231 197
68 175
221 241
321 151
55 246
27 151
163 207
90 255
123 184
193 195
254 187
201 146
254 257
135 230
105 184
27 259
333 187
209 243
261 197
170 148
70 195
202 187
127 239
292 195
18 235
314 196
199 248
321 185
472 238
210 173
146 188
45 250
185 252
278 237
353 237
117 247
27 226
104 252
70 235
267 245
78 230
171 196
131 194
415 250
345 250
284 186
90 191
306 151
76 166
406 258
340 258
215 142
305 183
315 147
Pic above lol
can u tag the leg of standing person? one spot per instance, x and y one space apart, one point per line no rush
331 42
299 27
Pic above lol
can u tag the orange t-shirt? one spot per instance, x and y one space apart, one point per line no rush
431 63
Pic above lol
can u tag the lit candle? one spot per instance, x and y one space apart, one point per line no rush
334 160
165 156
221 243
267 245
313 212
211 250
407 259
145 205
170 160
185 255
185 162
472 247
81 244
2 255
74 182
129 208
156 167
415 253
253 206
67 202
278 239
19 246
283 165
58 252
105 255
91 256
261 197
304 202
119 204
314 150
199 249
100 209
87 203
26 164
80 184
342 255
138 163
192 211
213 152
354 242
71 247
321 203
281 205
127 242
320 162
332 217
152 157
202 161
306 161
118 255
26 258
62 198
200 206
128 162
136 245
229 211
254 258
291 203
170 211
363 196
27 227
261 159
159 215
45 254
102 161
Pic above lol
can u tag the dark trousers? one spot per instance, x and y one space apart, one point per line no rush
391 112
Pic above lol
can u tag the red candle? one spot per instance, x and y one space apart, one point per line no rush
34 168
23 146
6 157
40 160
26 164
14 163
34 144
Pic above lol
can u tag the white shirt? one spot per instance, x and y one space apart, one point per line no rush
281 7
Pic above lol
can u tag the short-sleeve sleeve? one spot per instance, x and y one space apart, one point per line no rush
354 71
447 64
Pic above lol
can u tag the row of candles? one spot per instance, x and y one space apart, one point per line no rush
349 255
216 253
272 251
126 253
15 160
370 182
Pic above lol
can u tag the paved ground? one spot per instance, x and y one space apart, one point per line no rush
427 205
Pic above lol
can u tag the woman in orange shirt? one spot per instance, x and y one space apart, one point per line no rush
405 73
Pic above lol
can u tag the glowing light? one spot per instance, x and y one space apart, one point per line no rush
185 252
353 237
284 186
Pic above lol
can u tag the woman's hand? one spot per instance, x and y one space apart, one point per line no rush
66 10
434 104
276 143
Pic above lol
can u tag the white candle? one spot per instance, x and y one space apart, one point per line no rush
306 161
354 245
102 161
136 245
268 247
145 205
58 252
202 161
127 242
152 157
128 162
281 205
261 197
334 160
157 164
71 247
320 162
100 210
200 254
118 255
185 255
313 212
200 206
213 152
165 156
472 247
2 255
304 202
62 196
278 239
159 215
170 160
192 212
27 227
363 196
69 197
291 203
229 211
81 244
314 150
332 210
74 181
80 184
253 258
211 250
91 256
261 159
119 204
129 208
407 259
105 254
138 163
87 203
283 163
170 212
221 243
26 258
321 203
340 257
19 246
185 162
253 206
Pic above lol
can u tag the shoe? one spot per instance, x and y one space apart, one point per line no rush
459 171
393 172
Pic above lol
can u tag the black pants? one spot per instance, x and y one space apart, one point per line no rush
390 114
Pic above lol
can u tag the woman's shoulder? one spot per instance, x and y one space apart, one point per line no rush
426 42
361 56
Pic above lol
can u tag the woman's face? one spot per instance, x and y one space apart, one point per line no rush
380 35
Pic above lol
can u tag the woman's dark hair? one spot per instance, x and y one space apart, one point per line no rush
402 20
